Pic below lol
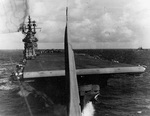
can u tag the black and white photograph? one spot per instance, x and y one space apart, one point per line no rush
74 58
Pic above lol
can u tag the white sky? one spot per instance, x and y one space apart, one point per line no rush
92 23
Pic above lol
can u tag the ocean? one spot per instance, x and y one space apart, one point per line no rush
125 95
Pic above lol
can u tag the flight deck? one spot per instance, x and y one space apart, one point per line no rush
53 64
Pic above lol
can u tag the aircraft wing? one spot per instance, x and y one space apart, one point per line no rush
52 65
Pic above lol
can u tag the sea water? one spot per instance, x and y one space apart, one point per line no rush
125 95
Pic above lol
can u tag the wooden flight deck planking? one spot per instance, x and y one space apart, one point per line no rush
52 64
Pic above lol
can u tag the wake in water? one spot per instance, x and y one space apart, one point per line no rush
4 80
8 87
88 110
5 84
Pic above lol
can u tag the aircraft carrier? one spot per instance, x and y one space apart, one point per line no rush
92 74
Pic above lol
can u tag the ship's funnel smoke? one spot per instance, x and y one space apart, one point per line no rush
26 13
13 14
26 10
88 110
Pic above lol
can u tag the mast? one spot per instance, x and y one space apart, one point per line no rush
30 41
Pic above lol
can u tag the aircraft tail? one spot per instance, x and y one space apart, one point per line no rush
71 77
